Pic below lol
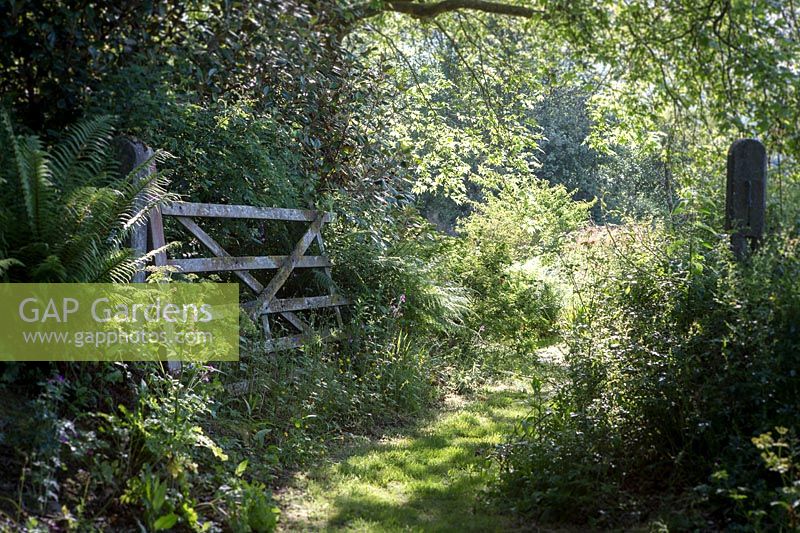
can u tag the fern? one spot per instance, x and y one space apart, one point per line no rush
33 172
6 264
80 160
78 216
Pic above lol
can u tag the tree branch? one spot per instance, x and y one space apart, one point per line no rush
430 10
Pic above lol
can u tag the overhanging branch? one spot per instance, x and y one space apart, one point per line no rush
428 10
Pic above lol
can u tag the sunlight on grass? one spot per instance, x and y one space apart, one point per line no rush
432 479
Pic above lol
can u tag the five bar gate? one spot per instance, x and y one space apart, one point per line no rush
266 301
135 154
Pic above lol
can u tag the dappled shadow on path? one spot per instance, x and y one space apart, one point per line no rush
432 480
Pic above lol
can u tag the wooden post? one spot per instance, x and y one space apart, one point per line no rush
131 154
746 195
329 275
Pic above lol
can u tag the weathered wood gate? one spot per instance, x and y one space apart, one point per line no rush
266 301
134 154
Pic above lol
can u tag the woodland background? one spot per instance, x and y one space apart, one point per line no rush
506 175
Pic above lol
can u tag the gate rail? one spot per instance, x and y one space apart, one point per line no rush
266 303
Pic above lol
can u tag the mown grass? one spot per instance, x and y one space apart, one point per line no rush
434 478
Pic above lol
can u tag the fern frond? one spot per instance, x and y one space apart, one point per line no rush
91 260
51 270
449 305
6 264
140 263
34 173
119 266
151 193
82 236
114 266
90 212
105 217
139 194
82 157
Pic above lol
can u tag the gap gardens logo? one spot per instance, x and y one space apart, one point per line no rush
119 322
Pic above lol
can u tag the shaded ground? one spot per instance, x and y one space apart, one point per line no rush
433 478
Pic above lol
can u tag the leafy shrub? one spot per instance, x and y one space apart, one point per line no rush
154 456
229 151
678 357
234 90
781 455
110 446
392 264
505 258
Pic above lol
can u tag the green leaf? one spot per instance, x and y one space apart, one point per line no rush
261 435
165 522
204 441
241 468
159 494
6 264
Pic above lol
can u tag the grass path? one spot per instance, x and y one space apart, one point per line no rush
432 478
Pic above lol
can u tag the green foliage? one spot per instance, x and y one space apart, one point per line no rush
231 151
527 218
161 439
42 433
393 269
627 177
252 508
633 41
782 456
461 114
72 215
295 403
505 258
248 96
53 54
152 462
678 356
767 498
151 492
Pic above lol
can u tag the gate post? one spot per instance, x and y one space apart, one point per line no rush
131 154
746 195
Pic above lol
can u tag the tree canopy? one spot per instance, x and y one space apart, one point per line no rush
529 196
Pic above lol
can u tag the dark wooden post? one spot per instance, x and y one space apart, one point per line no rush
131 154
746 198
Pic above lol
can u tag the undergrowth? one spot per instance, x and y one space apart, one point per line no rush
679 359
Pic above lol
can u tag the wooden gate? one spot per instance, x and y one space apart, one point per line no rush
134 154
266 302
